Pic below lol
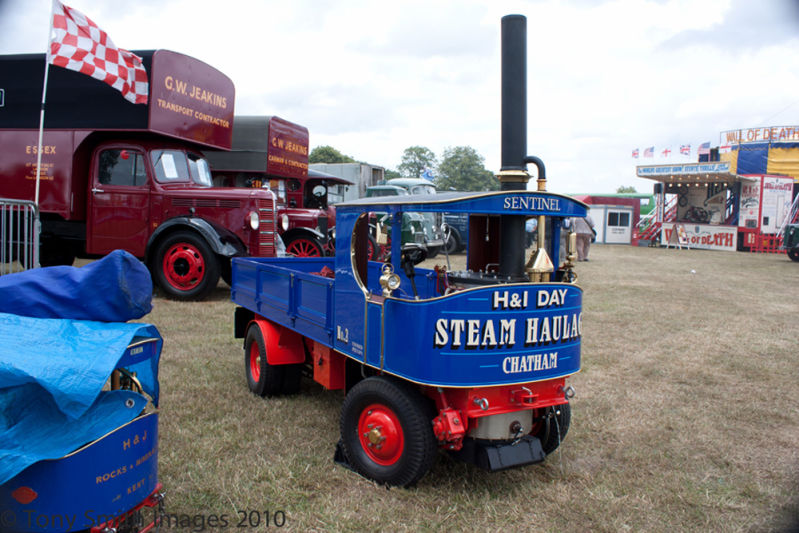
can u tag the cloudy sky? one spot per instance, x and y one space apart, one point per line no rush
373 78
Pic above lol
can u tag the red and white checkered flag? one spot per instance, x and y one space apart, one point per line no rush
78 44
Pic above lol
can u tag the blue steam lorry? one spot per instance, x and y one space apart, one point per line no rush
472 361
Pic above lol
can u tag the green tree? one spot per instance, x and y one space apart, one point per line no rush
328 154
463 169
391 174
625 189
414 160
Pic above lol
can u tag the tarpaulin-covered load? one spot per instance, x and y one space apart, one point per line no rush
53 369
116 288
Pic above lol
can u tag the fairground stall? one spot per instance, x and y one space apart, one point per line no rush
712 207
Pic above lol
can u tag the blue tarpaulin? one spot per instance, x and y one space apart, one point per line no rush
55 360
117 288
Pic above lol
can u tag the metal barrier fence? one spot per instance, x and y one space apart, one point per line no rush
19 235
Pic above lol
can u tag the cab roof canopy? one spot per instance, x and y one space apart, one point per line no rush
525 203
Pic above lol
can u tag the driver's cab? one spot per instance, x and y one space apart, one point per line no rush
377 303
488 215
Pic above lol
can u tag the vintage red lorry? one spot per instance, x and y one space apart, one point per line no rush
116 175
271 152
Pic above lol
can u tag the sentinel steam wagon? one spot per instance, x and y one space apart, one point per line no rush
473 361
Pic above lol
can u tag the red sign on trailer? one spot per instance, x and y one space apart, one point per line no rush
287 151
190 100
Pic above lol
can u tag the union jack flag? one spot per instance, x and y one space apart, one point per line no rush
635 153
79 44
649 152
685 149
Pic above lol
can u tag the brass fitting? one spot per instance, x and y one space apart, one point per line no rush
513 176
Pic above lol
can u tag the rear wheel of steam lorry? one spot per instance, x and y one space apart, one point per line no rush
552 427
185 267
263 378
386 432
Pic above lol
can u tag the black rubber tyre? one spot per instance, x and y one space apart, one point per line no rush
226 270
303 246
56 254
794 254
386 431
185 267
554 426
264 379
453 243
372 249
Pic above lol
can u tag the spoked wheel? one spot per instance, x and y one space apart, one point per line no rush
304 247
372 249
552 427
264 379
386 431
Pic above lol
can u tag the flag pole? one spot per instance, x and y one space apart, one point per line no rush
41 111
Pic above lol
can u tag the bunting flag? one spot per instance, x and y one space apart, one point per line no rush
704 149
685 149
78 44
635 153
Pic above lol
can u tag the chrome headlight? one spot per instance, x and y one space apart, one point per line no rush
284 222
254 220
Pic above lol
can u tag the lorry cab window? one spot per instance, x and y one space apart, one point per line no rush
423 189
121 167
170 166
200 171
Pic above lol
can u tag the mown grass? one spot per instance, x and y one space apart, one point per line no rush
686 417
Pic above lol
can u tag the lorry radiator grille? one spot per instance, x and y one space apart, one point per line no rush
266 231
206 202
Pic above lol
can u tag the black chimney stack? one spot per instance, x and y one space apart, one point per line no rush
513 174
514 96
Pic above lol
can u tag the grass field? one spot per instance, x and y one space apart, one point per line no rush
686 417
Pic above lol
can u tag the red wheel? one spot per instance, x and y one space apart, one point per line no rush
381 434
263 378
372 249
185 267
255 362
304 247
386 434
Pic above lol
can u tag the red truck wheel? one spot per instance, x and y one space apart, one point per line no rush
552 427
185 267
386 431
264 379
372 249
304 247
